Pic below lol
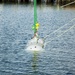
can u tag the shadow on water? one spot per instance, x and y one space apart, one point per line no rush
35 66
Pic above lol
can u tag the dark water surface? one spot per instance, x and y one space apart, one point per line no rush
16 21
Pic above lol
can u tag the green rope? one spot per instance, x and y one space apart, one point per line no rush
35 15
35 12
36 25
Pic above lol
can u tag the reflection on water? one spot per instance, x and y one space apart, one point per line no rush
70 7
35 62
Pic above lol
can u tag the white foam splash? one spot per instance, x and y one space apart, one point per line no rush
35 44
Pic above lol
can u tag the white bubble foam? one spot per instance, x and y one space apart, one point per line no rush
35 44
